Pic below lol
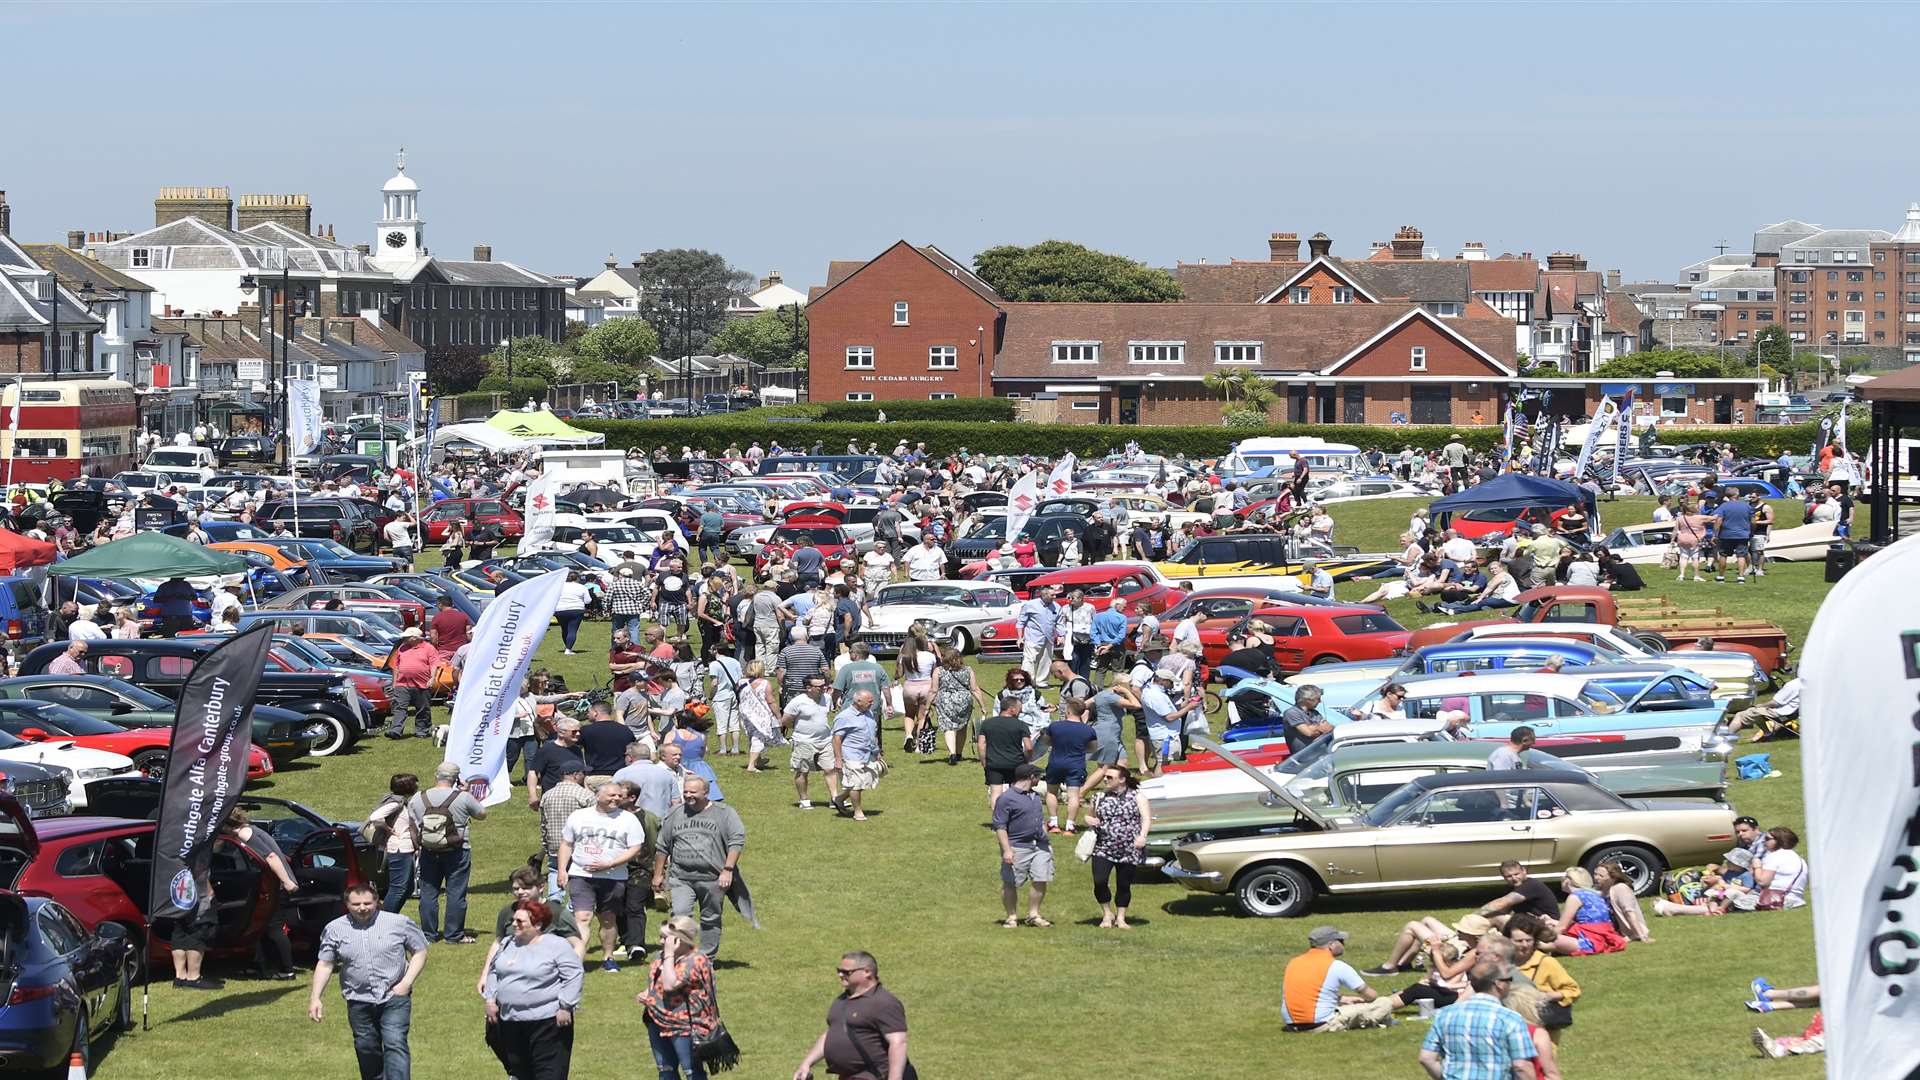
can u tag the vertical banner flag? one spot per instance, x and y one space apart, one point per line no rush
1861 760
1622 434
1840 430
303 415
1820 437
1506 431
1060 481
206 769
504 641
1021 502
540 510
1602 420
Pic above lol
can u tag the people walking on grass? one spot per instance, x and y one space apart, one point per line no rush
759 712
679 1003
392 832
856 750
696 857
596 845
1121 819
1067 742
379 955
1692 537
916 665
1003 744
532 992
442 817
866 1034
956 691
808 722
1026 857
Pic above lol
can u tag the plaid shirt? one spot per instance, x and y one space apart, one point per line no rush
626 596
559 801
1479 1039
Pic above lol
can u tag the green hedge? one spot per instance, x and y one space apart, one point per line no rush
961 410
1767 440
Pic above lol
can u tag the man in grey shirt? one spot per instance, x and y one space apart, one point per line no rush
1508 754
695 856
380 955
659 786
765 610
446 860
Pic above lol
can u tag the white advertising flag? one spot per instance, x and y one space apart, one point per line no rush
1602 422
503 644
1021 502
303 415
1861 757
1060 481
539 518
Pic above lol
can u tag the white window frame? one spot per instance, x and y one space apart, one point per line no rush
858 352
859 395
1417 358
1076 352
1342 294
937 353
942 395
1156 352
1300 294
900 312
1224 350
1086 406
140 258
1448 309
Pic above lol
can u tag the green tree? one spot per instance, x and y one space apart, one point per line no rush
585 369
1255 393
627 342
686 296
1772 347
1683 363
533 358
774 338
1062 272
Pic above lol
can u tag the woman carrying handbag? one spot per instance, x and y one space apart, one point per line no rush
682 1013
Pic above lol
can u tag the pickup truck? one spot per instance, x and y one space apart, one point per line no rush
1653 620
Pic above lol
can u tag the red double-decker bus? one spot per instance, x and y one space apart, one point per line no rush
68 428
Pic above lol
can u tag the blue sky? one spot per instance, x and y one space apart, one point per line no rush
786 135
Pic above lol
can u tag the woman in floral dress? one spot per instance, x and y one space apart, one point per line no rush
955 692
1120 820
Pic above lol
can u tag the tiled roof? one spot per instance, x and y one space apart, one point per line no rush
1423 281
463 272
1296 337
1623 315
74 268
962 272
1503 275
1233 282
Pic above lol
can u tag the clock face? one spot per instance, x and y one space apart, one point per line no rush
396 239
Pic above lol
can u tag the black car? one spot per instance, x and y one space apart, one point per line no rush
66 987
243 450
1044 530
340 520
44 791
162 665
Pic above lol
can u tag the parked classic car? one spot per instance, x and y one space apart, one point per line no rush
66 986
1452 830
147 747
283 733
1568 704
957 613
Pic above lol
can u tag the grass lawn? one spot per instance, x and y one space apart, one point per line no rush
1192 991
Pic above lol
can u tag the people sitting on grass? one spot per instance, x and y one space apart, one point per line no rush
1528 933
1585 923
1769 998
1448 956
1779 882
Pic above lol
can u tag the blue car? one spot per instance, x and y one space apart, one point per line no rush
219 532
66 988
340 562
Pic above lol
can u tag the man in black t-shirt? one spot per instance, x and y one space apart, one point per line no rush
550 764
603 742
866 1036
1524 894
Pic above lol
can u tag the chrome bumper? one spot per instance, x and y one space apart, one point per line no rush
1174 871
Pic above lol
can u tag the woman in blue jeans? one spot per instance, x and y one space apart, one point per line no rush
571 609
391 820
679 1000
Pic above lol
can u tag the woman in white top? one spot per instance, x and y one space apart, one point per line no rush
915 671
876 568
571 610
391 821
1069 548
1782 869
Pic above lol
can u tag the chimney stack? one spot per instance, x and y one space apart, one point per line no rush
611 261
213 205
1283 247
76 239
364 249
292 211
1318 245
1407 243
1472 251
483 253
1613 279
1566 260
6 216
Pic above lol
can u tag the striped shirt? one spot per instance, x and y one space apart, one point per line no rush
800 662
1478 1039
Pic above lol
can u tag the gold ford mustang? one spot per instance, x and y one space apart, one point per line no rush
1450 830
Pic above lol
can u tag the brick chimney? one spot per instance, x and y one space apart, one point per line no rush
76 239
1613 279
773 278
1566 260
1408 243
6 216
1318 246
213 205
1283 247
483 253
292 211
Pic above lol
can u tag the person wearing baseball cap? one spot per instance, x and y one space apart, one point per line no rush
1026 858
1162 715
1319 987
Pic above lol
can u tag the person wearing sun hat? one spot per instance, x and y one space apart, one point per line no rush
1449 957
1319 988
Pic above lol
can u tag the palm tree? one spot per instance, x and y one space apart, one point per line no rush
1256 394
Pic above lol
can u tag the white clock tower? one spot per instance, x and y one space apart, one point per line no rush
400 236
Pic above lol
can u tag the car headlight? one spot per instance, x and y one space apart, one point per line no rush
96 774
990 632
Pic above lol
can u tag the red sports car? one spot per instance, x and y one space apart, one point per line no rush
824 534
97 866
1136 583
1499 521
1304 636
45 721
472 511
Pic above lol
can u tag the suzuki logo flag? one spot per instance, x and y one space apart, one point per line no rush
1060 481
1021 502
1861 758
206 770
540 510
303 415
503 644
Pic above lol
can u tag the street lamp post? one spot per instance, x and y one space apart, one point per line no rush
276 386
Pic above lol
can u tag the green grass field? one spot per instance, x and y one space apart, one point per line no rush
1193 990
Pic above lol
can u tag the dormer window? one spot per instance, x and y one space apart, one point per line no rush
1342 295
1300 295
142 257
899 313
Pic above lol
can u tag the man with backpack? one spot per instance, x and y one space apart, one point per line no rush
441 816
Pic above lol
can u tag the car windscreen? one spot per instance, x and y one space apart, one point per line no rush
1370 623
1309 754
173 457
803 535
616 534
1599 699
58 718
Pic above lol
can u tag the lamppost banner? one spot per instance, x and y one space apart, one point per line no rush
303 415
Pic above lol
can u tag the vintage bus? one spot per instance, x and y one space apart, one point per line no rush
68 428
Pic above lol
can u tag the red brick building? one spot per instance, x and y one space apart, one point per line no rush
910 324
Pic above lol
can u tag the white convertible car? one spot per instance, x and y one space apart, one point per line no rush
955 612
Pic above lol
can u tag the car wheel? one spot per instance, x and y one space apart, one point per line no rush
1319 660
1642 865
1652 642
152 764
1274 892
962 641
337 737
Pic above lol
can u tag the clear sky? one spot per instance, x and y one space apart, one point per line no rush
785 135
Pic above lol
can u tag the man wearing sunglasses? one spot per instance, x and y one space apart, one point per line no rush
1479 1036
866 1035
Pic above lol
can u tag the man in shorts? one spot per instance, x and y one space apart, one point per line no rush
1068 742
596 845
809 724
1004 745
1026 858
856 746
193 933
